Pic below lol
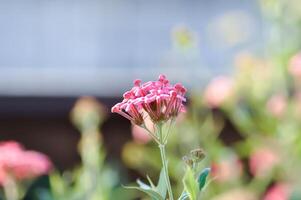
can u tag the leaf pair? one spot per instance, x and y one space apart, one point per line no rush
193 186
155 192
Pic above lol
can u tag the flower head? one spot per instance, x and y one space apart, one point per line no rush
159 100
21 164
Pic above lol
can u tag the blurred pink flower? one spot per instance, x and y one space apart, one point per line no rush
21 164
217 91
139 134
227 169
262 161
276 105
158 99
278 192
295 65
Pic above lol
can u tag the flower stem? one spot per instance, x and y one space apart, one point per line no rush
10 189
164 161
165 168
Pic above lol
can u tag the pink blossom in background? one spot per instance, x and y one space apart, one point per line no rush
278 192
139 134
21 164
159 100
262 161
217 91
295 65
227 169
276 105
181 117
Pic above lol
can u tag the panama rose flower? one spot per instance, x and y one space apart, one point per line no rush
218 90
263 160
278 192
17 163
295 65
159 100
276 105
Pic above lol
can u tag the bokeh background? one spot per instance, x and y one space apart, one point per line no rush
54 52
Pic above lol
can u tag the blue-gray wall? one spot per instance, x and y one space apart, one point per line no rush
72 47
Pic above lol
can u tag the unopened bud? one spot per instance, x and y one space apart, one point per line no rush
87 112
198 154
188 161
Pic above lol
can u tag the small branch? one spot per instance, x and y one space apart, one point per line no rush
168 131
151 134
164 161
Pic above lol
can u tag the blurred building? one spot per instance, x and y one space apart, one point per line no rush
63 47
54 51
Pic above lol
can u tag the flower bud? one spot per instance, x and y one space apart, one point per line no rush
198 155
188 161
87 112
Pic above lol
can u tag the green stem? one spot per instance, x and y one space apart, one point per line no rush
10 189
165 168
150 133
168 131
164 160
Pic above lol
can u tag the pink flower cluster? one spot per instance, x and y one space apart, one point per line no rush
21 164
159 99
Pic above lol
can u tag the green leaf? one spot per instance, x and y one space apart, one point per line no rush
203 177
143 185
150 182
162 187
150 192
190 184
